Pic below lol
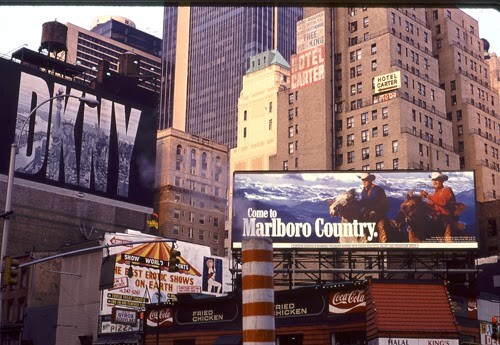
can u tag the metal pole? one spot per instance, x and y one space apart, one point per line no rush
6 222
158 306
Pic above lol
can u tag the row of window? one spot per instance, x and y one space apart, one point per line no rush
191 216
192 185
364 118
365 136
176 230
193 162
409 27
193 201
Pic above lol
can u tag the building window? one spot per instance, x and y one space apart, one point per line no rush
374 114
177 181
373 48
201 219
270 107
353 26
438 29
178 150
285 165
359 70
350 122
290 114
339 159
191 217
244 115
395 163
379 150
365 153
385 112
374 65
374 132
290 131
290 148
453 85
460 130
395 146
364 118
379 165
365 136
201 236
178 165
350 140
290 98
338 142
353 89
177 214
350 156
385 130
175 230
244 132
447 159
365 22
359 87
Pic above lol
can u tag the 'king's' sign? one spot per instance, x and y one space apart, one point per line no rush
108 149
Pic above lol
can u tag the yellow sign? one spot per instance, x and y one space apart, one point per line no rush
387 82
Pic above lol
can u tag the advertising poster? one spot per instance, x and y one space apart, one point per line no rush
141 273
402 209
308 65
107 148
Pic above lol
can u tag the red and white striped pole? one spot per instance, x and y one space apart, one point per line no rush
258 291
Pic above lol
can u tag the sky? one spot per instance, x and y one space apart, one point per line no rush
21 25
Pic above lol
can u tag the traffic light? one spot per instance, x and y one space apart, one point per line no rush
494 328
174 260
10 271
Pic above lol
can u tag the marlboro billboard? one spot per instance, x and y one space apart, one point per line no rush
399 209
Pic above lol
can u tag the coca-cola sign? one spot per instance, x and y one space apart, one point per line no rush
346 302
160 318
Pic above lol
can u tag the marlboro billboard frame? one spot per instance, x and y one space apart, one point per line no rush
309 210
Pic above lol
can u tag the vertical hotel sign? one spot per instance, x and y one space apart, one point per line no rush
308 65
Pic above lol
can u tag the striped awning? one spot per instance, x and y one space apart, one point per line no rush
155 255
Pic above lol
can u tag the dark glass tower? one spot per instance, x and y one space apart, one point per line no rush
221 41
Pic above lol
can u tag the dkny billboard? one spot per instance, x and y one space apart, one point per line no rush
106 150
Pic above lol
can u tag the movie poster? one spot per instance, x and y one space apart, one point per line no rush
403 209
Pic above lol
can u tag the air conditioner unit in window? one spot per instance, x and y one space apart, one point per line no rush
440 131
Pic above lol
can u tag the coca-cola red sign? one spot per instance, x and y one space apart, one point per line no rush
162 318
347 302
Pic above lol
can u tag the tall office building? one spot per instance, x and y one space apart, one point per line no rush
109 41
389 110
472 104
206 52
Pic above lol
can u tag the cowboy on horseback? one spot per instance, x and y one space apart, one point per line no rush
444 205
374 205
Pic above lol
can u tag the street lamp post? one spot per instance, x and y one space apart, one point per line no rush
14 150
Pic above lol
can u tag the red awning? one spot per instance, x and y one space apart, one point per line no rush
413 309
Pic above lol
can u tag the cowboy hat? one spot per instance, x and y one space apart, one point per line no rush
438 176
367 176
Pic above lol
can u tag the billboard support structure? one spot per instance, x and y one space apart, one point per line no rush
296 266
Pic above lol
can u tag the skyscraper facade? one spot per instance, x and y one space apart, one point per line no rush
207 50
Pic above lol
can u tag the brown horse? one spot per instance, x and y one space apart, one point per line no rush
422 223
347 206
